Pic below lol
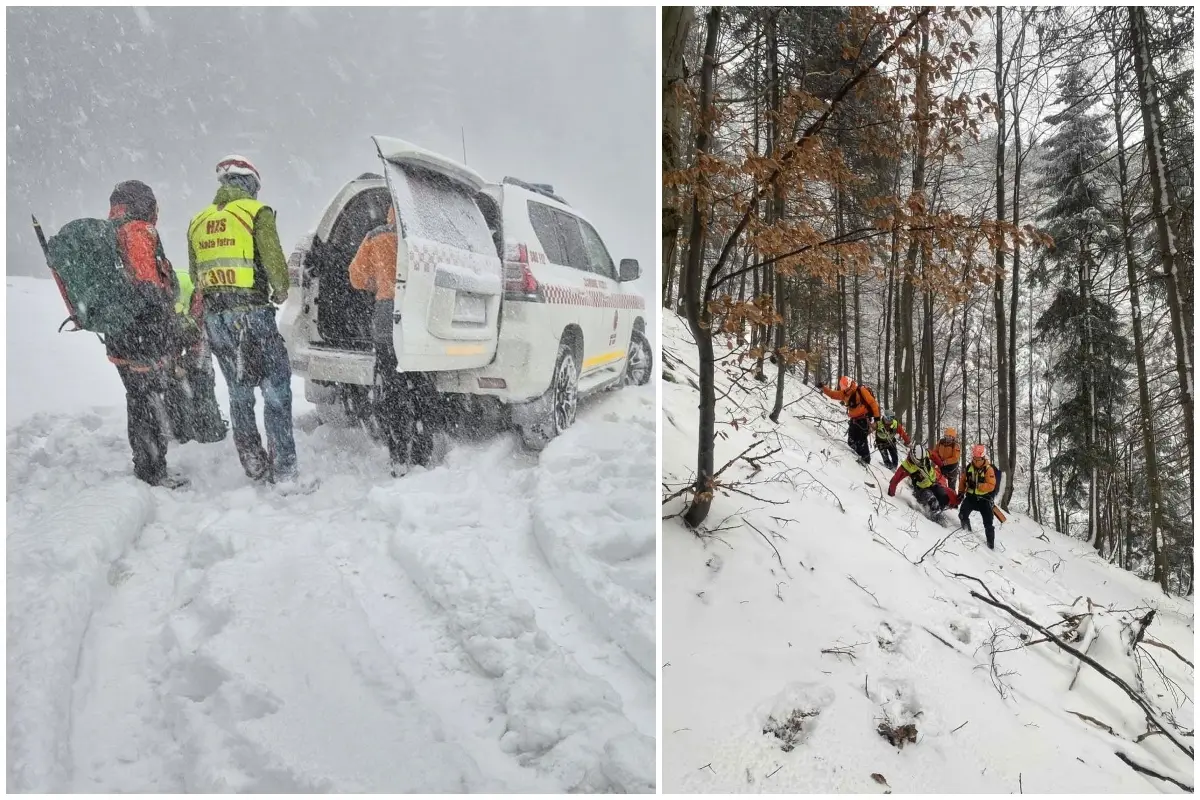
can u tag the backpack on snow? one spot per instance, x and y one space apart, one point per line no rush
86 261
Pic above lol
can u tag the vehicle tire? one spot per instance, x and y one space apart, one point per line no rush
564 402
640 361
334 413
358 406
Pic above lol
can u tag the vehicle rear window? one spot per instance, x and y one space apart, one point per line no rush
431 206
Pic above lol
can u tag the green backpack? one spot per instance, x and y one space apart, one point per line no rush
86 259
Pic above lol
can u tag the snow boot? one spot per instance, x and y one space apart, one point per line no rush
167 481
295 484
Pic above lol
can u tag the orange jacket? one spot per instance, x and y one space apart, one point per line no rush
374 266
977 479
858 400
947 455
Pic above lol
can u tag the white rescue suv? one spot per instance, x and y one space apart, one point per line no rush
505 295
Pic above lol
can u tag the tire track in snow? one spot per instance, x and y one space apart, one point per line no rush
592 502
417 633
56 571
463 532
134 733
277 682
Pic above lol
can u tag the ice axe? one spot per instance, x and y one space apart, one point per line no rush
62 290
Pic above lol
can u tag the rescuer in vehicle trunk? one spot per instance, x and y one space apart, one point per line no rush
402 401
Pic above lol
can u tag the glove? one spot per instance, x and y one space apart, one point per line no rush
820 384
891 492
278 297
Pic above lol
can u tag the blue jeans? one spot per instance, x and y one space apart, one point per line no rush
265 365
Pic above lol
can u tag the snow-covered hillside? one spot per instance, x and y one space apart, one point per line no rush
486 625
815 613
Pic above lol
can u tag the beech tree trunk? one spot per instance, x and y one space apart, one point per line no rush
676 21
693 278
905 351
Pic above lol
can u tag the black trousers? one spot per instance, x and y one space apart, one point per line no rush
951 473
982 504
405 406
856 434
887 451
146 431
141 357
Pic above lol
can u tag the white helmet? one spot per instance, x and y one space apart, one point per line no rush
917 454
237 165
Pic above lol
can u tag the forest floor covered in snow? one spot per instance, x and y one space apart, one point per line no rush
483 625
820 636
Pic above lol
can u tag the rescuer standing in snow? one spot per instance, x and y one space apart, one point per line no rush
239 269
976 487
401 399
863 410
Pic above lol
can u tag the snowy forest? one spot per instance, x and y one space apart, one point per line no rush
983 214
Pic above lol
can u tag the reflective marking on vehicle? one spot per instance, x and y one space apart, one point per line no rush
465 350
570 296
603 358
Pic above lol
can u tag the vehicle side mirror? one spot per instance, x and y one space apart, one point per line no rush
630 271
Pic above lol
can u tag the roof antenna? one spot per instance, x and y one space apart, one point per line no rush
464 143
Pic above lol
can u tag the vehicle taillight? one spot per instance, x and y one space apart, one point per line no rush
519 282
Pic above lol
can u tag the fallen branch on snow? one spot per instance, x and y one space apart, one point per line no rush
1147 771
1102 726
843 650
865 589
767 539
1088 639
717 474
1155 643
1142 703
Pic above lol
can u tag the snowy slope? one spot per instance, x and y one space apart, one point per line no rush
747 614
433 633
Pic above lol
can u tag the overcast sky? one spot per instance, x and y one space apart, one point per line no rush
96 96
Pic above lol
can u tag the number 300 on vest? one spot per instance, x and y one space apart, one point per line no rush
220 277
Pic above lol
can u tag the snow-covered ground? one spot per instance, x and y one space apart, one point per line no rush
798 624
486 625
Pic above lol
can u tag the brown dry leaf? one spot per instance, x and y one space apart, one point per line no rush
875 776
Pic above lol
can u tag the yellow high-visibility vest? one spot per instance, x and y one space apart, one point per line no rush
923 474
184 301
222 237
976 476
